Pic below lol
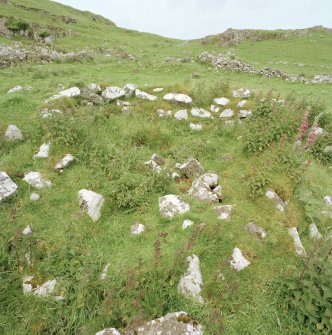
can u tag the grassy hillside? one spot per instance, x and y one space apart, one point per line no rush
111 148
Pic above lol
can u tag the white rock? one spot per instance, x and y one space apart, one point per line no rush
7 186
145 96
227 113
35 180
202 188
181 115
108 331
94 88
43 151
27 230
300 251
222 101
242 93
16 89
46 289
103 274
175 176
156 163
112 93
130 89
187 223
190 284
64 162
244 114
200 112
171 205
46 113
314 232
238 262
242 103
196 126
328 200
191 168
178 97
158 89
13 133
34 197
27 287
224 212
137 229
215 109
319 131
92 203
69 93
272 195
164 114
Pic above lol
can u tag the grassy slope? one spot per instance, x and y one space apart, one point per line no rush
73 248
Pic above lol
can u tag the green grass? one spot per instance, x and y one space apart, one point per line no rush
111 149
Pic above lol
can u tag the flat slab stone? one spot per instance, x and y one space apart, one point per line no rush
300 251
36 180
201 113
238 261
7 186
222 101
190 284
171 205
68 93
178 97
112 93
145 96
92 203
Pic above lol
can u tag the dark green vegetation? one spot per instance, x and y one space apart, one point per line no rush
111 149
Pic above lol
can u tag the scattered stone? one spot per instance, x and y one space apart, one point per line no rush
181 115
69 93
7 186
178 323
66 160
300 251
103 274
164 114
314 232
200 112
227 113
203 188
46 113
145 96
16 89
195 126
125 106
137 229
158 89
242 103
34 197
108 331
192 168
215 109
258 232
187 223
44 290
13 133
222 101
178 97
190 284
43 151
328 200
272 195
35 180
238 262
112 93
94 88
27 231
156 163
92 203
171 205
224 212
92 97
242 93
243 114
130 90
